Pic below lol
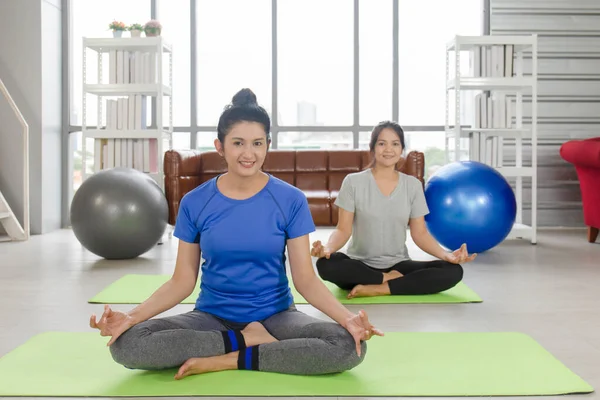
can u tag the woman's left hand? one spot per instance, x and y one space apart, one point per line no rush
460 256
361 329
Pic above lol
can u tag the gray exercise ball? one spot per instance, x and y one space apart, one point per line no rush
119 213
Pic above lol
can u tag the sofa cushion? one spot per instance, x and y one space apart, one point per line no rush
285 176
213 163
318 173
176 187
281 164
182 163
319 205
311 161
280 161
311 181
340 164
344 161
335 180
311 170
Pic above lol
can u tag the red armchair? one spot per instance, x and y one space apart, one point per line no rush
585 156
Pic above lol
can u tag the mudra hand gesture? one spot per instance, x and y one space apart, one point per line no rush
460 256
361 329
111 323
319 251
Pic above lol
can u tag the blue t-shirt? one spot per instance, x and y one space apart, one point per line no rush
243 244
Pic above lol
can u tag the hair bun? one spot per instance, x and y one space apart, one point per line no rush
244 97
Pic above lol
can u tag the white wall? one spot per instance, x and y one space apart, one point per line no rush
568 94
51 114
30 66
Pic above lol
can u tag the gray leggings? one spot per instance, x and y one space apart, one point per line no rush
306 345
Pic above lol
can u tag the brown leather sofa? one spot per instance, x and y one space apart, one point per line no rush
318 173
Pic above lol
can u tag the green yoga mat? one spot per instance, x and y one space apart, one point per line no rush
399 364
134 289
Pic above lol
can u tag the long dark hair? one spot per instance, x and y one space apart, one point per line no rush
243 107
375 137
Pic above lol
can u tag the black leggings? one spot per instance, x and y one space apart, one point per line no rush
419 277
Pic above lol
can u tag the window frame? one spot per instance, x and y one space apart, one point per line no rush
194 129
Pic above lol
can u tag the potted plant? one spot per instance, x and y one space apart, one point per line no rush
135 29
152 28
117 27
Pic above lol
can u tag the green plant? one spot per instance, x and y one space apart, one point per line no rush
117 26
435 158
153 27
78 161
135 27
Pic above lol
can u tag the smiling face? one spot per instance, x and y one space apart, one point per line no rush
387 148
244 148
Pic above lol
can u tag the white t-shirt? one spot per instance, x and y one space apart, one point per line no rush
380 222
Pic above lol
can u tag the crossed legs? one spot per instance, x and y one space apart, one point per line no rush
404 278
289 342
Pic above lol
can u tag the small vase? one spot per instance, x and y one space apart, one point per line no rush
136 33
117 34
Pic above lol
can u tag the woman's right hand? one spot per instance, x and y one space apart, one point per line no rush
112 323
319 251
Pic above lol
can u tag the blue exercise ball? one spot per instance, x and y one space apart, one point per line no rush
469 202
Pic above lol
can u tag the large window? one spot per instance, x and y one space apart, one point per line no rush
233 52
309 77
174 16
375 61
315 66
314 140
425 26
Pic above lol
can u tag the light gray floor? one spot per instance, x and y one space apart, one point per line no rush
549 291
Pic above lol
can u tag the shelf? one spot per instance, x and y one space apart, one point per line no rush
492 152
126 134
520 231
124 89
103 45
470 42
510 83
156 84
511 133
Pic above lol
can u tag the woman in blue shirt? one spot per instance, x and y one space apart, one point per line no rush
244 318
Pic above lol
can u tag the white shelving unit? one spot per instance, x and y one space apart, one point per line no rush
507 81
155 87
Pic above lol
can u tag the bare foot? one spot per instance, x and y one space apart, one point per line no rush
369 290
393 274
255 333
195 366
